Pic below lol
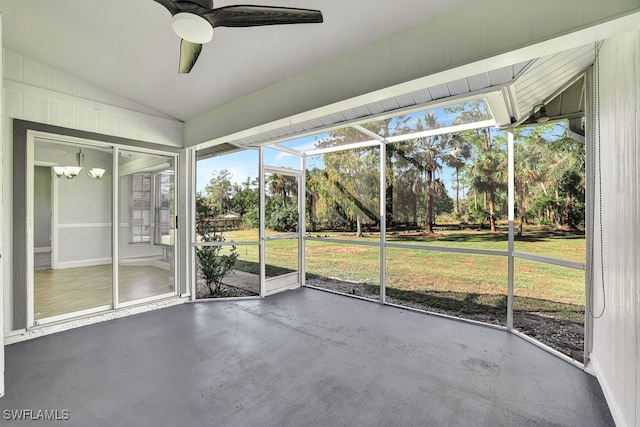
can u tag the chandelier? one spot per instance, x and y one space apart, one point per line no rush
71 172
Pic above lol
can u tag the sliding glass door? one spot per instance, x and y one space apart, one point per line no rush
146 207
76 192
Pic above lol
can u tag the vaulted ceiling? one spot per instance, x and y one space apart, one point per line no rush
253 85
129 48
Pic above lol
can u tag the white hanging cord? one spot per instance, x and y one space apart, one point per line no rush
597 165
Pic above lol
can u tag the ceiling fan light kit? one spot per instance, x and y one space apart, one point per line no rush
194 21
192 27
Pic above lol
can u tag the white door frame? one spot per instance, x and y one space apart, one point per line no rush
273 285
29 257
54 212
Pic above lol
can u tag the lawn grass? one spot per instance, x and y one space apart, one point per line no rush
467 282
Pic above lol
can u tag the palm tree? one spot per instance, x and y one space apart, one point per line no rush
489 176
283 186
530 168
456 158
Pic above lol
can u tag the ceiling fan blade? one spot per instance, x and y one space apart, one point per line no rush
252 16
170 5
189 53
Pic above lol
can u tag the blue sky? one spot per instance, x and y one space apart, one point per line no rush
245 164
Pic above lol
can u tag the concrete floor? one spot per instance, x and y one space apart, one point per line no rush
301 358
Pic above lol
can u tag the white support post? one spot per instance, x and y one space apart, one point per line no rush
303 220
2 239
261 231
179 210
115 228
28 255
191 223
383 222
511 216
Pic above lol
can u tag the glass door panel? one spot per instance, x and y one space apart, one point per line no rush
146 203
282 230
72 230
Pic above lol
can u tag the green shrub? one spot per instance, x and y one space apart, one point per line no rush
213 265
251 218
284 219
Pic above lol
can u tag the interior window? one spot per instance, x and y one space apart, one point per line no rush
140 213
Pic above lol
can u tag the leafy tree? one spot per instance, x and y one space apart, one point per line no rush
549 176
567 175
348 186
221 196
425 158
218 193
245 197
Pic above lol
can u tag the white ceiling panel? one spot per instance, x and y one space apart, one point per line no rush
405 100
458 87
478 82
501 76
376 108
128 47
439 92
421 96
390 104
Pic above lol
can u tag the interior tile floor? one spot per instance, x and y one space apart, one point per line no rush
300 358
68 290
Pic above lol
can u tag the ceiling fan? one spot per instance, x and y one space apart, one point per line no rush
194 21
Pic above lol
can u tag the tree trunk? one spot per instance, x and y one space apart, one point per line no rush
569 220
544 189
358 226
521 211
429 202
492 216
389 189
457 194
312 211
430 213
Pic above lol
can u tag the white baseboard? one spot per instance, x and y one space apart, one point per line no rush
103 261
145 262
608 395
82 263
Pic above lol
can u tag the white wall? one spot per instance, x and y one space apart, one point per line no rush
616 336
35 92
3 224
